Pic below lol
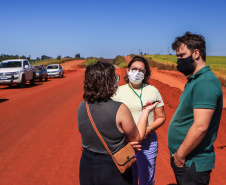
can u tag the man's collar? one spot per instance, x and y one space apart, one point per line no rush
201 71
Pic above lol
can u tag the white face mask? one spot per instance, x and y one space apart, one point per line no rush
135 77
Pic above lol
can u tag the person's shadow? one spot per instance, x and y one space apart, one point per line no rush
3 100
172 184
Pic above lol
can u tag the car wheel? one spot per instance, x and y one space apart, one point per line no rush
62 75
22 84
32 81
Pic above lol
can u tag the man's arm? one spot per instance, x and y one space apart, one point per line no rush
195 135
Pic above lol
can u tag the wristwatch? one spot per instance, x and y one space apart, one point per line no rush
151 130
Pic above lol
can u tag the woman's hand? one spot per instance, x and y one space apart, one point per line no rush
136 145
150 105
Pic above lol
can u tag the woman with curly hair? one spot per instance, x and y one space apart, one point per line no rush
115 123
134 94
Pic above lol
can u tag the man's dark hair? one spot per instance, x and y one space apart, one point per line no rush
192 41
147 69
99 83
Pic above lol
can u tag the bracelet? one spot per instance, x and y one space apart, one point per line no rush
151 130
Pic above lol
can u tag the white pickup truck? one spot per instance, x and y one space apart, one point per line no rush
16 71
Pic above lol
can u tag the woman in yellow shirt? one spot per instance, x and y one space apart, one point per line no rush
134 94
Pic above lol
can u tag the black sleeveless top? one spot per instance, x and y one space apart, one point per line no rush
104 117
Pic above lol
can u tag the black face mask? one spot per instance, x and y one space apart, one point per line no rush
186 65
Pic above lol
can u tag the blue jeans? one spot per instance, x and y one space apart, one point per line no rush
188 176
144 170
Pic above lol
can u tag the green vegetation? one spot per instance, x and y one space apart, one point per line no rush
217 63
50 61
90 61
120 61
123 65
166 59
77 55
9 57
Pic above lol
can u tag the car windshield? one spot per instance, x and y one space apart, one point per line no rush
8 64
52 67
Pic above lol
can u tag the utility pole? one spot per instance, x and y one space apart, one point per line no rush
168 56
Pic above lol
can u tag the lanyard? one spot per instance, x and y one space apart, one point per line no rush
137 94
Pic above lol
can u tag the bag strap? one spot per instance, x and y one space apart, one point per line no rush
98 133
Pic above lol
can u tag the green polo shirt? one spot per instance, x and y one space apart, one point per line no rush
203 90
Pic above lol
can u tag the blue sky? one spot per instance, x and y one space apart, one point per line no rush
106 28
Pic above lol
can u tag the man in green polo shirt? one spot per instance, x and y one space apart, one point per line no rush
194 126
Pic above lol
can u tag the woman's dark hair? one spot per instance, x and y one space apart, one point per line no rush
99 83
147 73
192 41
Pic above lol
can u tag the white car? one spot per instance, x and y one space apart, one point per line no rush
16 71
55 70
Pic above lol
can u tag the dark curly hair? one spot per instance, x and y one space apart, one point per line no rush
192 41
147 74
99 83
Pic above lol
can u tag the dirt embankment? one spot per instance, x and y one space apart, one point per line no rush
127 58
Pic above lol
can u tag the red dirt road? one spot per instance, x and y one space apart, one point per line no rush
39 139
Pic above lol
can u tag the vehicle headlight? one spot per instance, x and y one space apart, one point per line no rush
16 72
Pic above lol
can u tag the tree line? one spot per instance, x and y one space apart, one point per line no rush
8 57
43 57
